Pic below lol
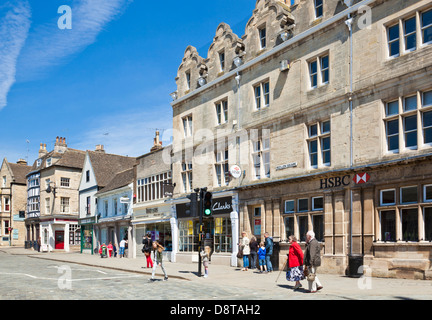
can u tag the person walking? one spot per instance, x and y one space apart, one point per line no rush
295 262
205 256
312 260
261 258
158 256
147 248
269 251
122 248
254 246
244 243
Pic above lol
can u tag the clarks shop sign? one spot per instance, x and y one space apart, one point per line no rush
334 182
220 206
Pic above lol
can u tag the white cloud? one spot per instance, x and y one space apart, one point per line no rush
49 46
128 133
14 27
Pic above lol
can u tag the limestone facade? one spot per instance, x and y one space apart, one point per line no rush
311 105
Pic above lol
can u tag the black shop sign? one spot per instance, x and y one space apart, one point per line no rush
220 206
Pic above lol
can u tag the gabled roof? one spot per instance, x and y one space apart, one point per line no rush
18 171
71 158
106 165
121 179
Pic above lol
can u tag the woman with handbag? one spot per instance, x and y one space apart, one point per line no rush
295 262
312 260
244 244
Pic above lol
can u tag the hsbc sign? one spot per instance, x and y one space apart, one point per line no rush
345 180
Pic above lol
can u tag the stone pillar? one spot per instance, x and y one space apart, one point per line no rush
174 236
340 224
328 223
368 221
356 223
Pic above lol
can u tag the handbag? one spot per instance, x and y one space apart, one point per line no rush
240 253
310 276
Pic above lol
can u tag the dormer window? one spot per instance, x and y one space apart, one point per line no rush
48 162
38 162
262 37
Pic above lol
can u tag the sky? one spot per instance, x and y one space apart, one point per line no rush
101 73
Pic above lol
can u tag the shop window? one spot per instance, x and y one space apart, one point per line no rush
222 235
409 224
289 226
318 227
303 227
186 236
428 223
388 225
427 193
388 197
409 194
74 234
289 206
317 203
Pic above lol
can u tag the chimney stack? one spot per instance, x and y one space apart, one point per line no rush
22 162
157 145
100 148
42 150
60 145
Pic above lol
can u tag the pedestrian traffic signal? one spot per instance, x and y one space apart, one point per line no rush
192 206
208 204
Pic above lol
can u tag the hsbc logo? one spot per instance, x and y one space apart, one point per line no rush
361 178
334 182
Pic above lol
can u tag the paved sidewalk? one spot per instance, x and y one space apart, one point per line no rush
337 286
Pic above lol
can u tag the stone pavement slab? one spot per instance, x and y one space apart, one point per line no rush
335 286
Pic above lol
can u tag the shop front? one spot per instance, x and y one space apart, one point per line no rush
220 232
87 229
375 220
59 234
113 230
156 220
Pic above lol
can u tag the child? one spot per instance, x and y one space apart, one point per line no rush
205 256
157 249
261 257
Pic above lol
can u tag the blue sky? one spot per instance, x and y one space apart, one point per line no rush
108 79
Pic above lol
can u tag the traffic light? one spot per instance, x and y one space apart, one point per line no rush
192 206
208 204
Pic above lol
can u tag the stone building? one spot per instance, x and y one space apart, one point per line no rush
53 198
151 213
326 106
13 201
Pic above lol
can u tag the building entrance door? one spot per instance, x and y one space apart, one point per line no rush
59 240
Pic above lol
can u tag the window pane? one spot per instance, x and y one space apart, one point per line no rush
410 131
318 227
326 127
392 108
388 225
392 127
303 205
426 24
388 197
289 226
289 206
313 146
410 103
428 223
313 130
393 32
427 125
428 193
410 33
318 203
427 98
303 227
409 225
409 194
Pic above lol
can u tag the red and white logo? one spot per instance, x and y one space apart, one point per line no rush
361 178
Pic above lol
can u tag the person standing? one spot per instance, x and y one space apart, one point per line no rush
261 257
158 255
110 249
312 260
147 247
244 243
269 251
295 262
254 246
205 256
